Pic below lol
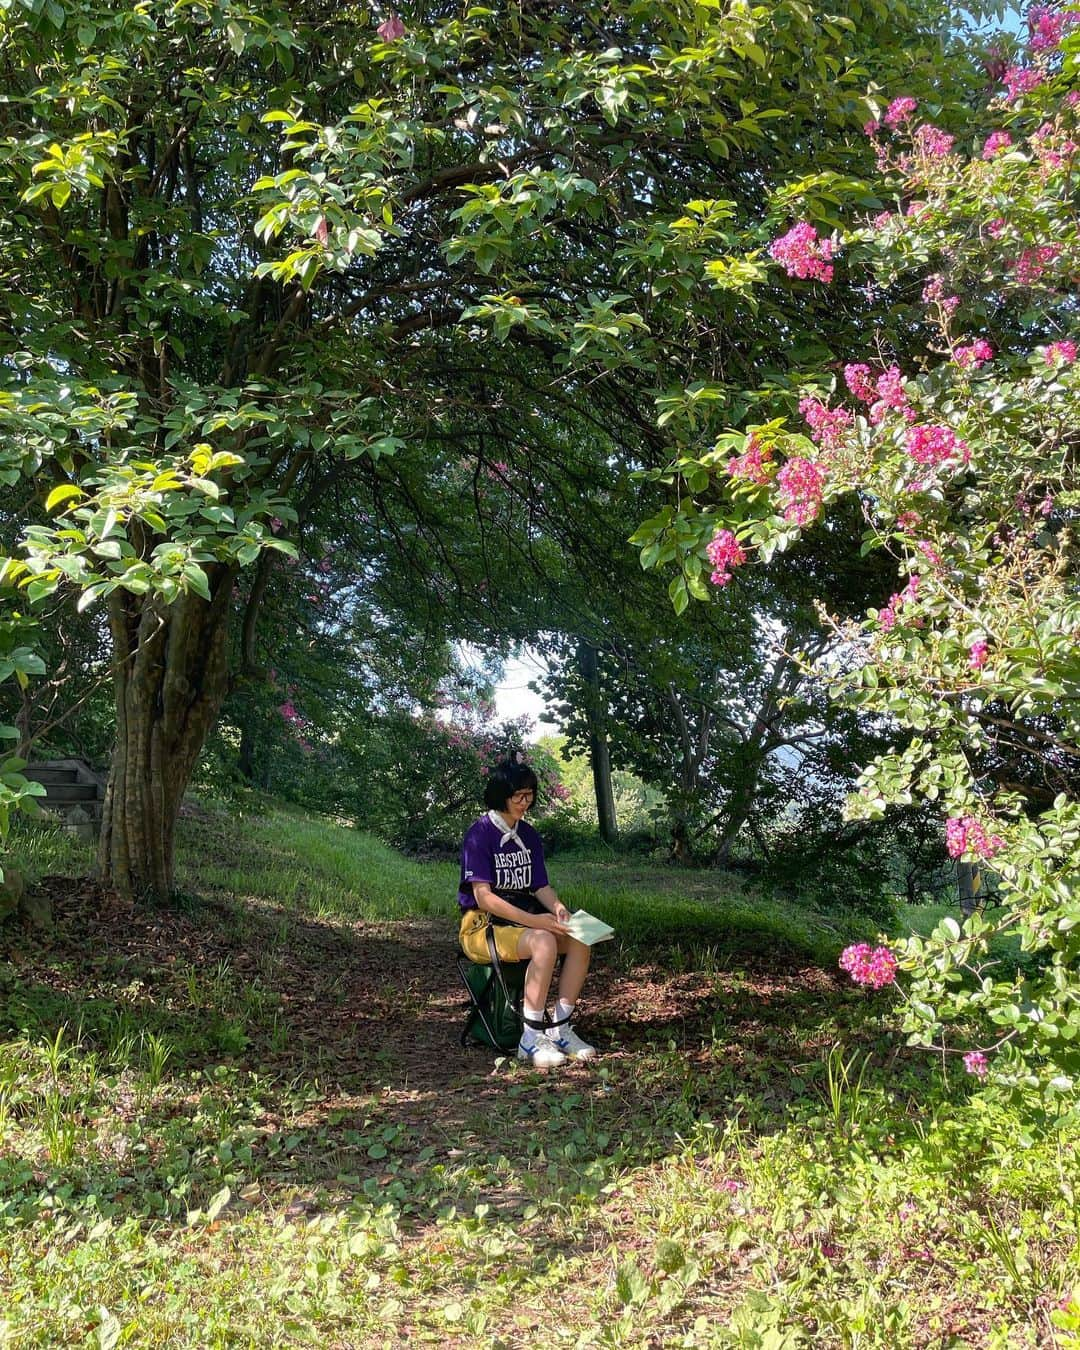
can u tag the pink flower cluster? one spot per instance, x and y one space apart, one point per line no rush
1033 262
887 616
1047 27
935 445
977 653
802 485
885 393
929 552
899 110
933 293
1020 80
1053 151
873 966
391 29
803 254
974 355
857 378
724 552
996 228
995 142
932 141
827 425
751 464
964 834
976 1063
289 713
1064 351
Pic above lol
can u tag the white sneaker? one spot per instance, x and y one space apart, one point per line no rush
570 1043
542 1054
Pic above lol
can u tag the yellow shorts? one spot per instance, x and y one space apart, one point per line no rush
473 937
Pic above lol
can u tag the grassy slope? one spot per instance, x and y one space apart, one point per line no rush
192 1162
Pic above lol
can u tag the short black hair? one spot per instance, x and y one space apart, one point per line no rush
506 778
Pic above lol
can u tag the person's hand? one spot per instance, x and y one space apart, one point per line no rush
562 914
555 924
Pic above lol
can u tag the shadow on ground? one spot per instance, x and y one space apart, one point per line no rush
353 1032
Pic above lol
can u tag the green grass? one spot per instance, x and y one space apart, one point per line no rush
286 857
203 1142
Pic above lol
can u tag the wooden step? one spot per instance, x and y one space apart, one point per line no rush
61 793
44 773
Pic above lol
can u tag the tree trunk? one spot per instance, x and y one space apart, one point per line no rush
742 800
969 884
599 756
170 676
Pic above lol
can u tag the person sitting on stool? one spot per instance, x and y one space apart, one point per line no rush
504 884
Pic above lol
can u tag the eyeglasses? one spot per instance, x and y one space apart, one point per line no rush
523 798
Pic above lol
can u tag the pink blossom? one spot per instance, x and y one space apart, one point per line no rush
935 445
899 110
977 654
751 464
890 395
275 524
996 141
1033 262
1047 27
882 220
1020 80
803 254
724 552
974 355
887 616
932 556
873 966
391 29
871 128
915 209
934 293
964 834
801 484
857 379
932 141
976 1063
907 520
288 712
996 228
1063 352
826 424
1052 152
1072 99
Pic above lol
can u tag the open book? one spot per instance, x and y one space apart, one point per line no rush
588 928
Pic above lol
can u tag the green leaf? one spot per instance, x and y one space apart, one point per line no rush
65 492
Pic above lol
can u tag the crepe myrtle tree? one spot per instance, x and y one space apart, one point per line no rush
964 459
244 242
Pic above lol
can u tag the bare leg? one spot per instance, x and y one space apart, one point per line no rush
541 950
574 969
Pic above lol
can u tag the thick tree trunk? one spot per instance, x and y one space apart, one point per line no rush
170 675
599 756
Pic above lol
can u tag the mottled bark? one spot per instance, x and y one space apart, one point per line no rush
170 677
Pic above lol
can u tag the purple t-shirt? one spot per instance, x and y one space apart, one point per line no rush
514 871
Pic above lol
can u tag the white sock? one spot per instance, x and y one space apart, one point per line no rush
529 1034
563 1009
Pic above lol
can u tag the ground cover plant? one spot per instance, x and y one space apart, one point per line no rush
245 1119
